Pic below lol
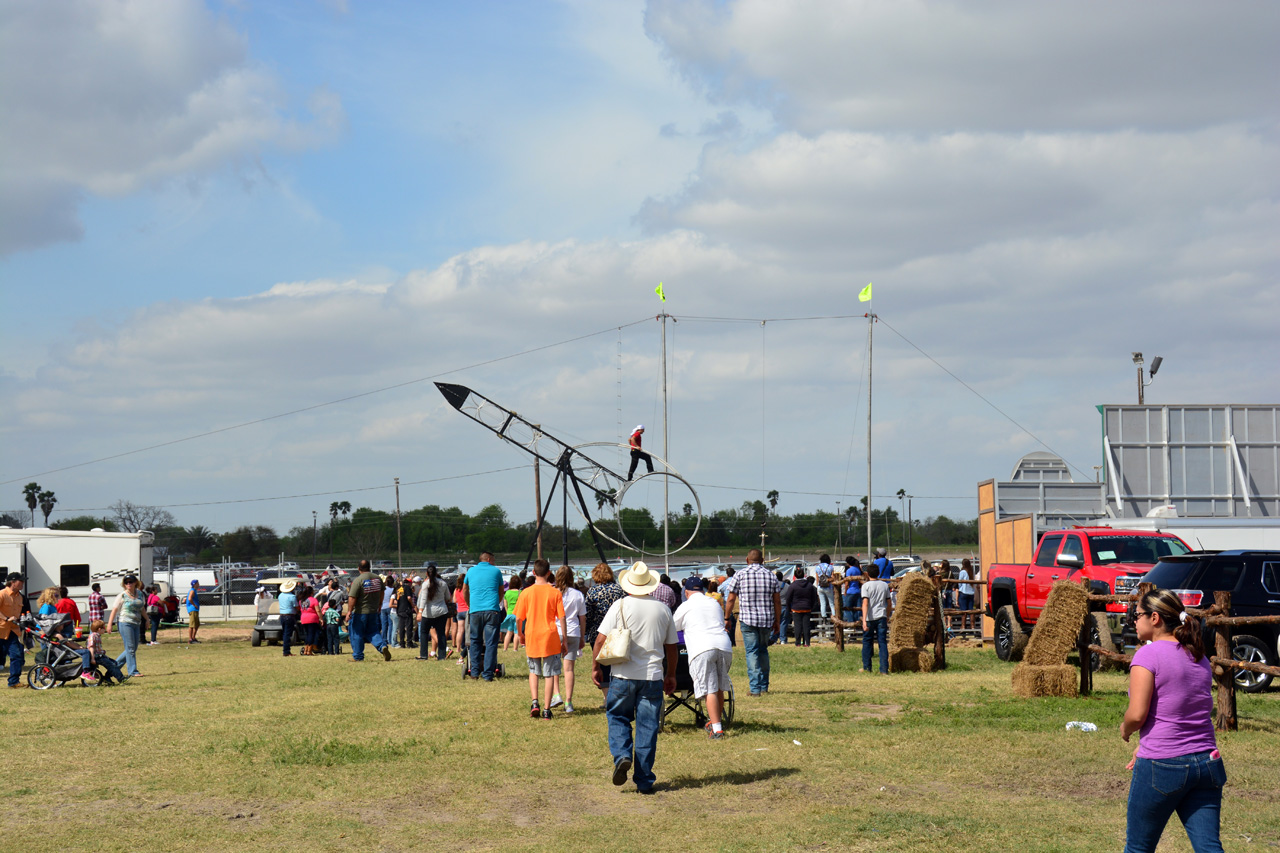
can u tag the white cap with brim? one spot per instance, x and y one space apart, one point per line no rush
639 579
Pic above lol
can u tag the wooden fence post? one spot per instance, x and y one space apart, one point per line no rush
1086 656
1225 718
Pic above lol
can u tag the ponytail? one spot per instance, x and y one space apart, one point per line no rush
1186 629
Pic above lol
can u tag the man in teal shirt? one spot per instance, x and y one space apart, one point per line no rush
193 611
482 591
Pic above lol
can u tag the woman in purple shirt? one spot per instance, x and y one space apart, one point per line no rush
1176 766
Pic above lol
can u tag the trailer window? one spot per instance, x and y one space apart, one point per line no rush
76 574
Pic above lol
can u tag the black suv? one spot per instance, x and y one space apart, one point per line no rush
1253 577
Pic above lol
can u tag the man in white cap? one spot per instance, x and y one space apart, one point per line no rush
636 453
636 685
706 641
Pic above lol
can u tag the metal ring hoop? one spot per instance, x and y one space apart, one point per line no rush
667 471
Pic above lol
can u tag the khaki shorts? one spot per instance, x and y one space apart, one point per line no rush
546 667
193 619
710 672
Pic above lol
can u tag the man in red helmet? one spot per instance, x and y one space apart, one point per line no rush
636 453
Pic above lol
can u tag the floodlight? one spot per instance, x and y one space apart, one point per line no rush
1155 364
1137 358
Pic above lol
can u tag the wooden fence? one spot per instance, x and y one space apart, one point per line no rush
1224 664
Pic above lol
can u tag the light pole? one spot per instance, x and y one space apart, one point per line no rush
1155 366
315 532
911 528
838 527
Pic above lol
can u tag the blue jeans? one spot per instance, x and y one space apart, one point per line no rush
852 604
287 622
826 601
484 642
1191 785
784 628
755 642
395 630
332 636
110 666
12 647
363 628
641 702
131 635
876 630
384 624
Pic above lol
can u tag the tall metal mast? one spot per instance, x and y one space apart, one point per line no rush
666 482
871 324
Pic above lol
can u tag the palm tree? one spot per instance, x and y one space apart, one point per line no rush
199 538
32 492
47 500
602 498
344 507
333 519
688 510
773 499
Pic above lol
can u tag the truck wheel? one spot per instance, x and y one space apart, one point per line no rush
1245 647
1100 635
1011 640
255 639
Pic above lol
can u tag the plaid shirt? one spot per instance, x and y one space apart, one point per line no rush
755 586
97 606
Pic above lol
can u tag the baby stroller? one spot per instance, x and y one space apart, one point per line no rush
684 698
56 662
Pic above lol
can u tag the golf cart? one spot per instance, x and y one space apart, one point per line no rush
267 626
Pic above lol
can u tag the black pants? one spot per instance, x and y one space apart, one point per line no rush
407 631
636 456
804 629
287 623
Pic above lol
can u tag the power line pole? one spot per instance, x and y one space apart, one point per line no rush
399 553
537 495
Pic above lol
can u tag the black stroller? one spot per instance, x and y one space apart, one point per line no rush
56 662
684 698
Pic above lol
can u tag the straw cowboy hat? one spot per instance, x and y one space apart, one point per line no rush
639 579
288 586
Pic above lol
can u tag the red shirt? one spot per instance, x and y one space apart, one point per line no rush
635 439
67 605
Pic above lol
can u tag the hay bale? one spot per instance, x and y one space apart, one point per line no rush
1031 681
911 660
911 613
1058 628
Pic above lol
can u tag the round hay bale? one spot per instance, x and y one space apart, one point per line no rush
1058 627
1031 681
911 660
911 613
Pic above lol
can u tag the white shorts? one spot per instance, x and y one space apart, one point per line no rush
710 672
546 667
574 645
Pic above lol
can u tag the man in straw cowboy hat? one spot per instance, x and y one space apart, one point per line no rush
636 685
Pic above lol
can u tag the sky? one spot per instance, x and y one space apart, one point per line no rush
239 240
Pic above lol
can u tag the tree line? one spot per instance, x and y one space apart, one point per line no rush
448 531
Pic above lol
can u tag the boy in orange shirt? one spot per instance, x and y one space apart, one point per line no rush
540 624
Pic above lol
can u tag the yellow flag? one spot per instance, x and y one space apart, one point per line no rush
865 294
658 290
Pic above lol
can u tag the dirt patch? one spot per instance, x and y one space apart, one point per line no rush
874 712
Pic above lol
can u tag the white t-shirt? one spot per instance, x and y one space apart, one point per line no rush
876 594
702 620
575 611
651 626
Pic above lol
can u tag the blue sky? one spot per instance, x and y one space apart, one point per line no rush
220 212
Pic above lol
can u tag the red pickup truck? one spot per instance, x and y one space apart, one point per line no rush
1112 560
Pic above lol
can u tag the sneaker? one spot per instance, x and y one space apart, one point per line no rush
713 734
546 714
89 677
386 653
555 700
568 707
535 710
621 768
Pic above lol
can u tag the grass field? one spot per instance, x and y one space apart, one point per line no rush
225 747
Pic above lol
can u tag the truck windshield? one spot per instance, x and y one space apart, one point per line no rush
1144 550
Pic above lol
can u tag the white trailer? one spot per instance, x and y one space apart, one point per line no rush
75 559
1208 534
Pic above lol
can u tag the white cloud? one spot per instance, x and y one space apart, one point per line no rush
109 98
1007 66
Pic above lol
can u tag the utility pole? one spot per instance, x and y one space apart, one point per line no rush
399 553
315 533
837 527
537 492
871 324
911 528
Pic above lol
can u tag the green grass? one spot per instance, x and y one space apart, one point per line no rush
222 746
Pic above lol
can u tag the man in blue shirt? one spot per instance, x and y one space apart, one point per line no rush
193 611
482 590
882 563
288 615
